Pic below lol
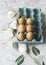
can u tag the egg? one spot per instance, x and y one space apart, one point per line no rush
29 36
21 28
29 21
21 20
21 36
29 28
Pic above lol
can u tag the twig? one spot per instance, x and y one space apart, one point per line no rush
8 40
4 29
15 1
8 7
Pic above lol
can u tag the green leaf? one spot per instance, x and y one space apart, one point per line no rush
35 51
14 31
17 19
35 59
43 63
15 45
19 60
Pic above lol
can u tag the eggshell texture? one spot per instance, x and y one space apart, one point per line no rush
21 28
29 36
21 36
29 21
29 28
21 20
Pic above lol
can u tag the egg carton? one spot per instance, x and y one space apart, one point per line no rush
36 15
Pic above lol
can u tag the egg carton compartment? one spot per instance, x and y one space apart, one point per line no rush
37 17
30 42
37 11
34 41
38 23
35 14
27 12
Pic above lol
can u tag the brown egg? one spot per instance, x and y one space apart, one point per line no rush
29 36
21 28
21 36
29 21
21 20
29 28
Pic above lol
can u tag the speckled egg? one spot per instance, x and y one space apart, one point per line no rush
29 36
29 28
21 36
21 20
21 28
29 21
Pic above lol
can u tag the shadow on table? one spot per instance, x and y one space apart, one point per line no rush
44 26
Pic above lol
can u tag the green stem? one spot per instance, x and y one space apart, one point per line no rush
35 60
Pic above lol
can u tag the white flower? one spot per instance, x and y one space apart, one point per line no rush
13 24
22 48
11 13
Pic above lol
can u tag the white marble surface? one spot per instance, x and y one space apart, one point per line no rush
7 53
